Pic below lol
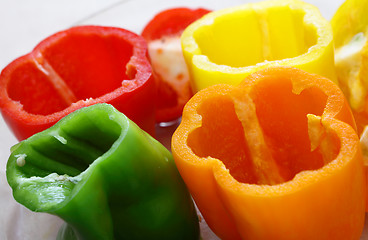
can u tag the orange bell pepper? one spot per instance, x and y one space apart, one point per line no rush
276 157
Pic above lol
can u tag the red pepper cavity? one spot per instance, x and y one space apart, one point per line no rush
74 68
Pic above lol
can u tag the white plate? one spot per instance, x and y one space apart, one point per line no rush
25 23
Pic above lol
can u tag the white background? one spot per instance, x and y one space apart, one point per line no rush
24 23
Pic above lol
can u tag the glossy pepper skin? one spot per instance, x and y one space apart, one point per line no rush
75 68
170 71
227 45
105 177
276 157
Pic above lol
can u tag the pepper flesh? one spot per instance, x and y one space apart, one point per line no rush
104 176
227 45
76 68
276 157
350 29
162 34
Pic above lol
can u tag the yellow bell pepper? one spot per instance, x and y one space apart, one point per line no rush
350 29
227 45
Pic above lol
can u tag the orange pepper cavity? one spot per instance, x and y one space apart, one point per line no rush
276 157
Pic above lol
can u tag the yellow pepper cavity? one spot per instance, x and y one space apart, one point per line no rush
227 45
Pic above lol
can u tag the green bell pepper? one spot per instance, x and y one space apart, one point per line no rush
105 177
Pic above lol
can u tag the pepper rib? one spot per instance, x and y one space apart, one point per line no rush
55 79
265 35
264 164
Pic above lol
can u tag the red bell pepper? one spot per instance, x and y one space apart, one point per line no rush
76 68
163 36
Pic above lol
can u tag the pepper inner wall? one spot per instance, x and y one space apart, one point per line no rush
87 65
282 116
71 150
250 36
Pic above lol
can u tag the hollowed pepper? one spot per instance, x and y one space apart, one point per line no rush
162 34
227 45
76 68
105 177
350 28
276 157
